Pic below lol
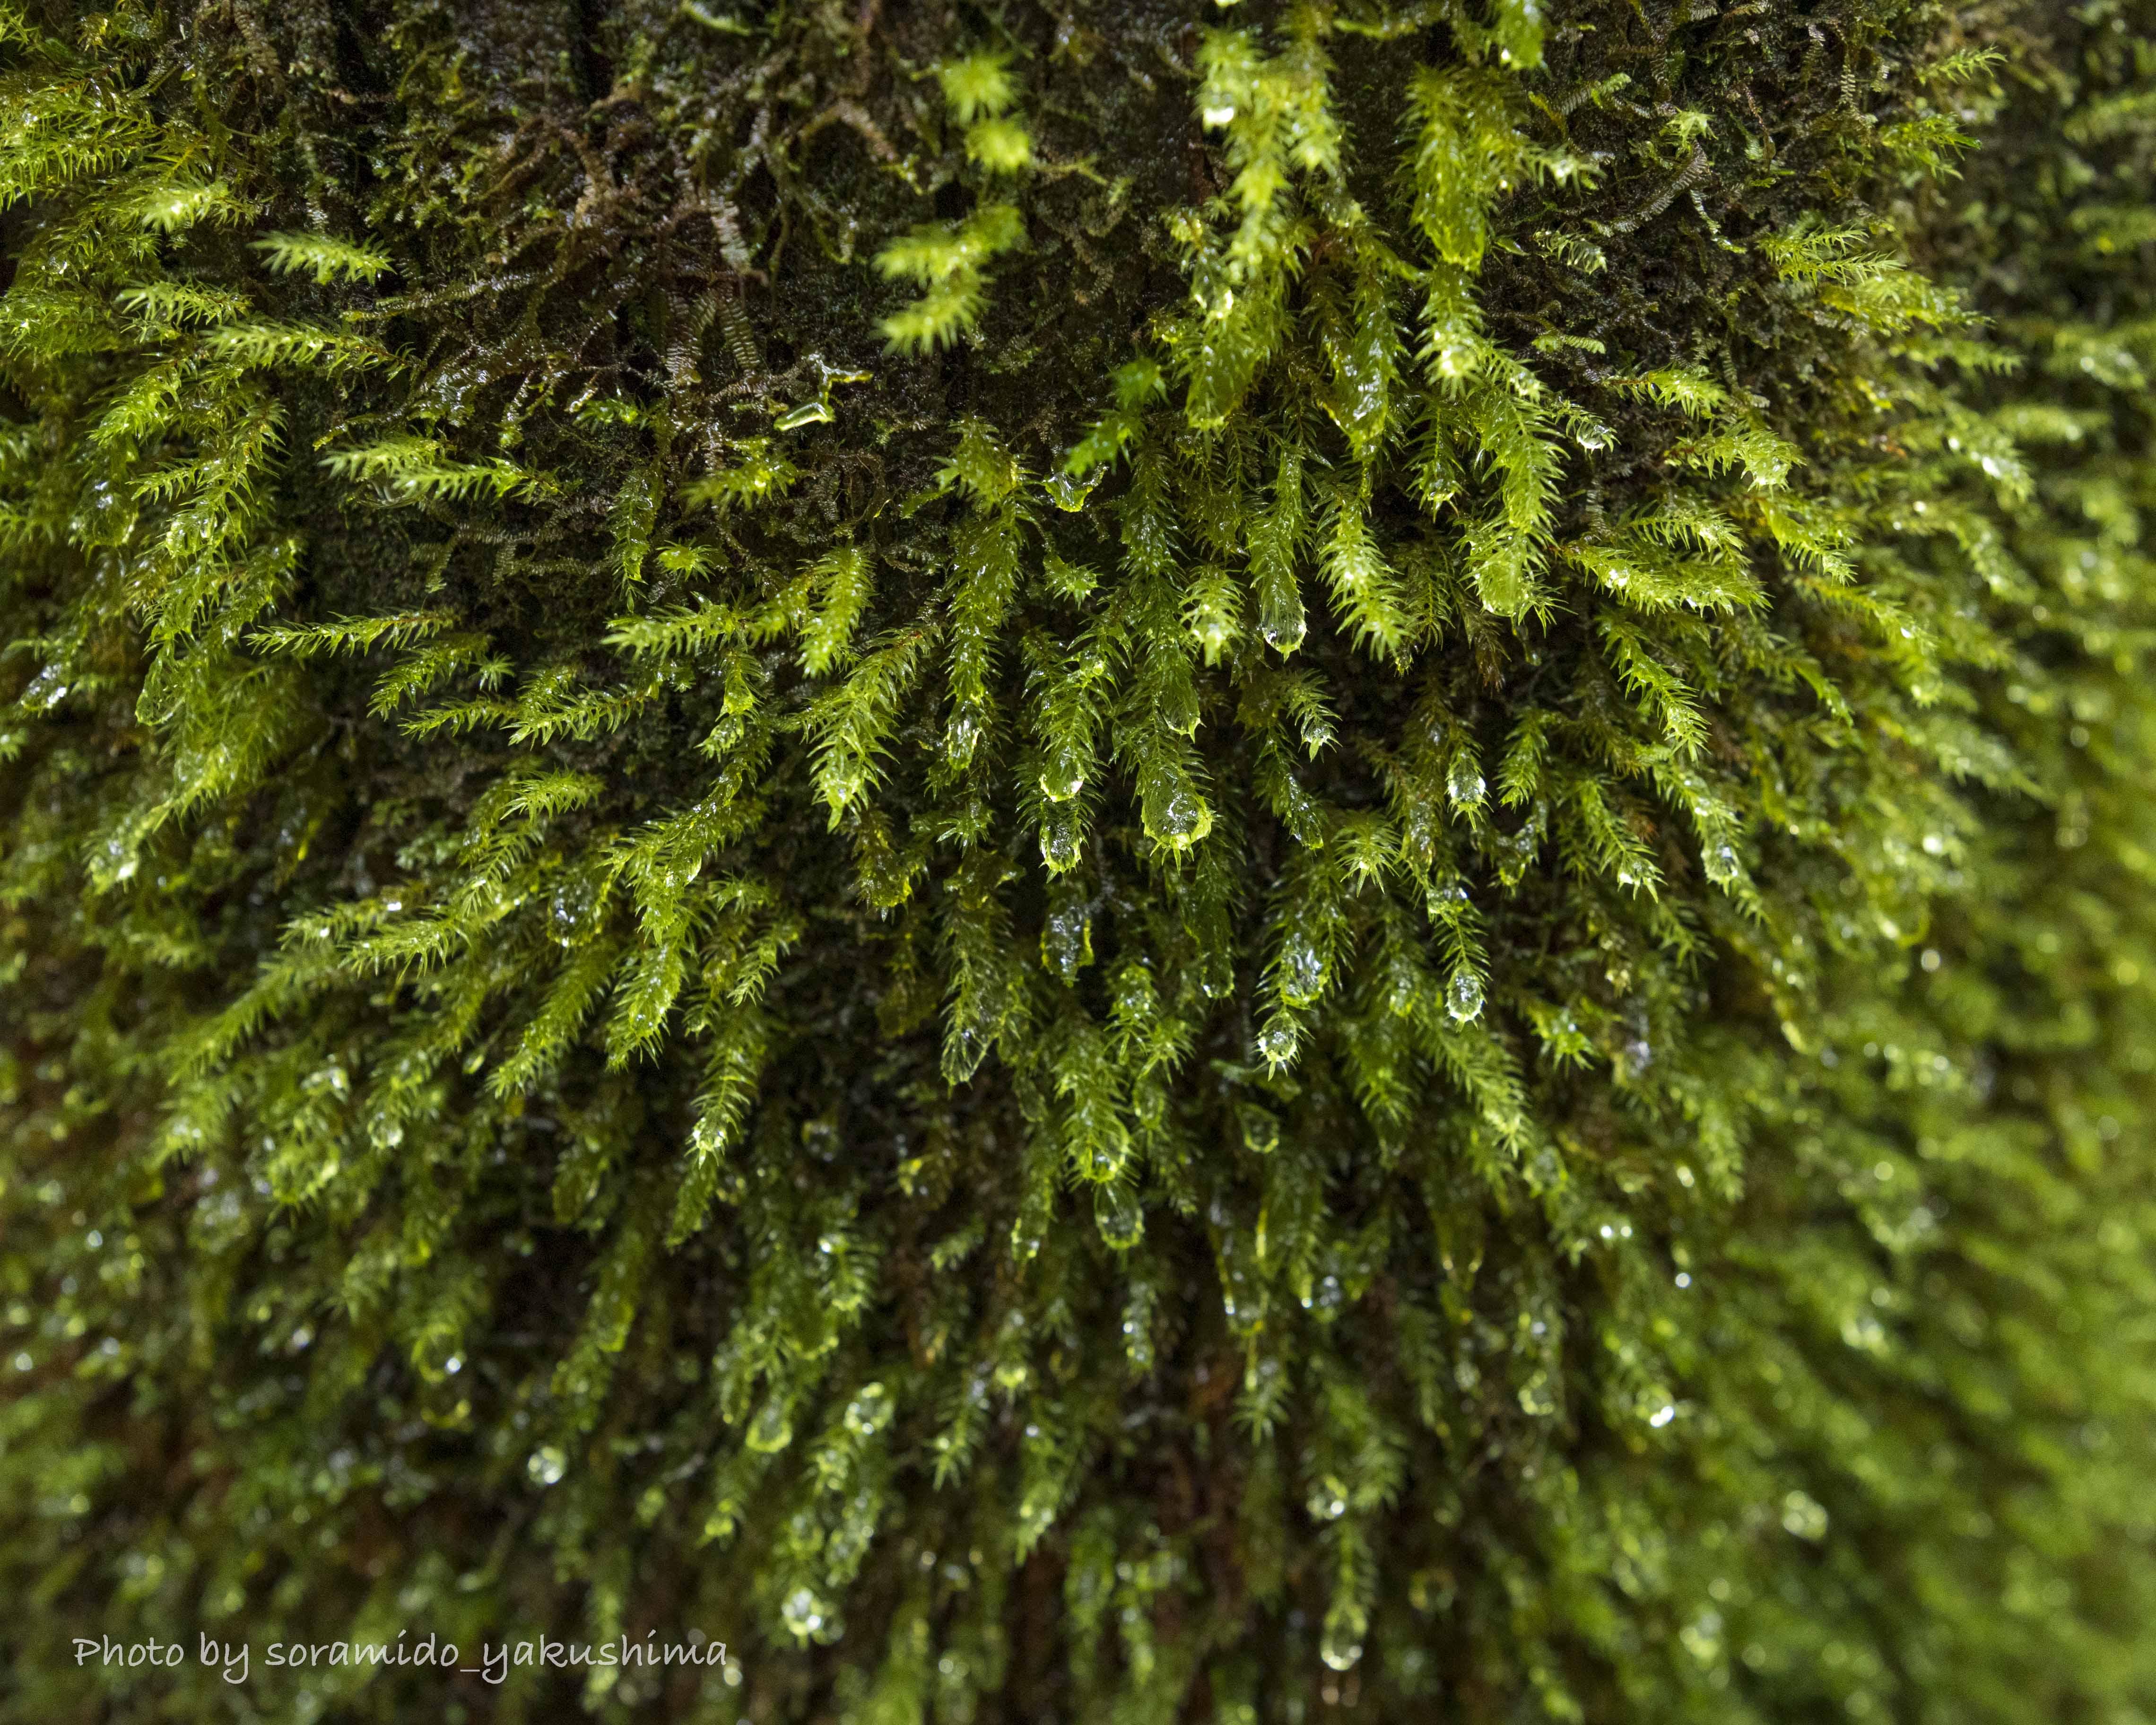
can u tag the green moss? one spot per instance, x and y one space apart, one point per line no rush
1091 862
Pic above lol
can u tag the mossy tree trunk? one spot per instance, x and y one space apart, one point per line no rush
1084 862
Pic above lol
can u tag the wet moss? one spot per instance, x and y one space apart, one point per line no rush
1088 862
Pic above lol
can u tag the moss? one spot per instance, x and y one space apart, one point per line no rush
1080 862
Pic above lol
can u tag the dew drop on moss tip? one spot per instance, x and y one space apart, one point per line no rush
1060 844
804 1613
1180 819
1066 941
1063 777
1464 998
1339 1652
1120 1217
869 1411
771 1430
1068 494
1302 970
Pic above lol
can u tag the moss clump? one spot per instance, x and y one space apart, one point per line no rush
1083 863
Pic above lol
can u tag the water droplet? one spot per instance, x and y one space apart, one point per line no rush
1328 1501
46 690
1178 819
547 1465
1462 783
1464 998
1339 1651
804 1612
1302 970
1119 1215
1069 495
1280 618
869 1411
1062 840
772 1430
568 910
1066 941
1063 775
1277 1045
